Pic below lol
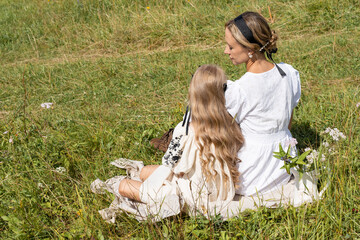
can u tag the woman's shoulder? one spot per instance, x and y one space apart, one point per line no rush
234 90
288 68
242 80
238 84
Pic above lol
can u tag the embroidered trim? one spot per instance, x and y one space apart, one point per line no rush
173 153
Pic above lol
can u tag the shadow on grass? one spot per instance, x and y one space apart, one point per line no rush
305 135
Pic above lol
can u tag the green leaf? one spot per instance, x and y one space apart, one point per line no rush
281 150
300 162
288 151
301 173
303 155
287 167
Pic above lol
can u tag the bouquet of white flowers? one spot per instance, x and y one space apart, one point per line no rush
310 160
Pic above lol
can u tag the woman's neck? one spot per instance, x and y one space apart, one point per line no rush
258 64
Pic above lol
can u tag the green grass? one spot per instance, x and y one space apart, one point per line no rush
118 72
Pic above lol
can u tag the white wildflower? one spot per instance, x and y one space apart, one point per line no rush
60 170
325 144
335 134
40 185
46 105
11 140
342 135
307 149
358 104
308 166
292 142
327 130
310 158
313 156
6 132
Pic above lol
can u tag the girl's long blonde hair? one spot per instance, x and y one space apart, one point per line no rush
216 132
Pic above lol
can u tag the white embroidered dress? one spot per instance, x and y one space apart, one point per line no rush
181 175
176 186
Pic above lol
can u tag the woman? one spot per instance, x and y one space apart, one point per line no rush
261 101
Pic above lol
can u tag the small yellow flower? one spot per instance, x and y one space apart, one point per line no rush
148 8
79 212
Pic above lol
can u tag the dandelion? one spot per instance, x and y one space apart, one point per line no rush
46 105
79 213
148 8
60 170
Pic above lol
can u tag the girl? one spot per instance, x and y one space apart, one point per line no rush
199 174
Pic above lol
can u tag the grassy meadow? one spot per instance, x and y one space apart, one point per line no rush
117 73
